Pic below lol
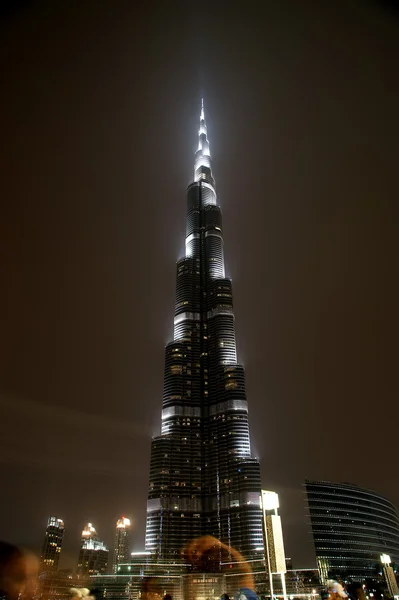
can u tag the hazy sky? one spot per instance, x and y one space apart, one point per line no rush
98 124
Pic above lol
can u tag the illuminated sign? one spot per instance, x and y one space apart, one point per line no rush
269 500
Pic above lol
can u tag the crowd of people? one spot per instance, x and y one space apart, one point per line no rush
19 570
354 591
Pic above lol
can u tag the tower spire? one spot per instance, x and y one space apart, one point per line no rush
202 167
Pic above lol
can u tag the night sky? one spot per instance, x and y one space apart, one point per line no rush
99 117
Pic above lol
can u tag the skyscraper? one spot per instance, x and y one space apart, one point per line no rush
52 544
351 528
122 545
93 554
203 478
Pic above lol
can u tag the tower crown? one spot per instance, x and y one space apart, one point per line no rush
123 523
202 165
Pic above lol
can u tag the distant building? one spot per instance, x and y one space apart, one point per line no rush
123 542
55 585
93 555
351 528
142 577
303 582
52 544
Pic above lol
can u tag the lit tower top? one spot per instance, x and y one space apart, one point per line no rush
123 523
122 544
202 167
89 532
203 186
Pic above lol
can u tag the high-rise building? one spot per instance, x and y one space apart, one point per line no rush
122 545
52 544
274 543
203 476
93 554
389 575
351 528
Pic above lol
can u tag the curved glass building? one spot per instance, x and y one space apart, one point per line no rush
351 528
203 477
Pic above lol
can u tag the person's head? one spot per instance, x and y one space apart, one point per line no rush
224 597
18 572
336 590
96 593
151 589
356 591
79 593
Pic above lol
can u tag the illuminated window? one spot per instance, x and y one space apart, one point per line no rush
230 385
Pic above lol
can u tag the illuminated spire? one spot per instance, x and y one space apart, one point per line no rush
203 143
202 168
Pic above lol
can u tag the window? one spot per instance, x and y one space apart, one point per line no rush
230 385
176 369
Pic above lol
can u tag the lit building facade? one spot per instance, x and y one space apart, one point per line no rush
142 577
56 585
204 479
93 554
122 544
52 544
389 575
351 528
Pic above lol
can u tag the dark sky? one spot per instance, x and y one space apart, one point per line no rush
99 117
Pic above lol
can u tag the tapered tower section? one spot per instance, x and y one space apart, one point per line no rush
203 477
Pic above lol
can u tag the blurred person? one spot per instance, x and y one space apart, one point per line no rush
96 593
150 589
245 594
224 597
356 591
335 590
19 571
79 593
207 553
85 594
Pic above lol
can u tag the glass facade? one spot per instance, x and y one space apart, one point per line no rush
122 545
203 477
93 555
52 544
351 528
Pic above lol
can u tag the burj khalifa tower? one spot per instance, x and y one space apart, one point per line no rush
204 479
